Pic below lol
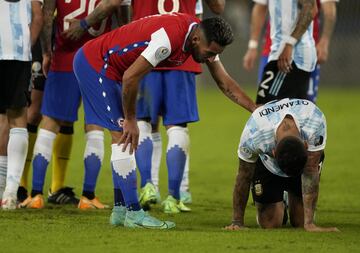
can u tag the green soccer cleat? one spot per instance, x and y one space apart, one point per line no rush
147 196
141 219
117 217
185 197
172 206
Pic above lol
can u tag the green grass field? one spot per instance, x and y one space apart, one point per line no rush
214 163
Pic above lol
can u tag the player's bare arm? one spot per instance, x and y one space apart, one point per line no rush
123 15
229 86
307 13
322 48
36 21
78 27
310 190
216 6
241 194
130 83
45 37
258 17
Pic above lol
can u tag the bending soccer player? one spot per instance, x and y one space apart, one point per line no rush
62 99
281 149
159 96
109 69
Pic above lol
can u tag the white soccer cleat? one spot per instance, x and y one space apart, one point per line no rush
9 203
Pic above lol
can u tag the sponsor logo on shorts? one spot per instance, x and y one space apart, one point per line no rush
258 189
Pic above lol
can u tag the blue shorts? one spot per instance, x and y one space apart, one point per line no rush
171 94
101 95
61 99
314 84
262 64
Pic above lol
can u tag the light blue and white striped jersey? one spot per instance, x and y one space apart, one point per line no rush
258 137
15 18
283 18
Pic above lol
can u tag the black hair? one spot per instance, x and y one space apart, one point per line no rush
291 155
218 30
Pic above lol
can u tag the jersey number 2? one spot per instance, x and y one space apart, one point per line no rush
81 10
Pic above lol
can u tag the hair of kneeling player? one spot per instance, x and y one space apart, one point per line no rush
218 30
291 155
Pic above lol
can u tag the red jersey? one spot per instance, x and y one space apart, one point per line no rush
159 38
143 8
65 49
316 28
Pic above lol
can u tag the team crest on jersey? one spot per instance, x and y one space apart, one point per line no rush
258 189
319 140
162 53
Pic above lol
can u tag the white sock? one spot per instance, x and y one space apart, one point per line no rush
44 144
3 170
17 151
94 144
156 158
185 180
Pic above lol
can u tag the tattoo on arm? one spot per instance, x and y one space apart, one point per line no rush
241 190
104 9
304 18
48 14
310 185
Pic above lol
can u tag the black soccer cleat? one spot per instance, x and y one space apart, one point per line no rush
22 194
64 196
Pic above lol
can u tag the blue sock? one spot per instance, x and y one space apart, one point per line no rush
143 160
39 171
175 161
92 168
144 152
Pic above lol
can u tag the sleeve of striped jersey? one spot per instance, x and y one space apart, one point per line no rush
317 141
199 7
246 150
158 49
263 2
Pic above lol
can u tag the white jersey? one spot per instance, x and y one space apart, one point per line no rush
283 19
258 137
199 7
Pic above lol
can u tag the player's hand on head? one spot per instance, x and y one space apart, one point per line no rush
285 59
75 31
314 228
249 59
130 135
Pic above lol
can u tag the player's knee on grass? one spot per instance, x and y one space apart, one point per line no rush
270 215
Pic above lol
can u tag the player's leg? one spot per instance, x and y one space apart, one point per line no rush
93 158
14 100
102 105
33 115
148 105
156 156
4 138
314 81
185 195
180 108
267 191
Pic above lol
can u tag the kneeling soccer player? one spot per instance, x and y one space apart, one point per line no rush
281 149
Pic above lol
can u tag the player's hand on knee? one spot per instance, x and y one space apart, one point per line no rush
314 228
130 135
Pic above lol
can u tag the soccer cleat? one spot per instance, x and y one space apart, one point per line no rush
63 196
141 219
9 202
22 194
147 195
94 203
172 206
117 217
185 197
36 202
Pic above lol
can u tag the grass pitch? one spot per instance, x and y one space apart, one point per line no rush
214 164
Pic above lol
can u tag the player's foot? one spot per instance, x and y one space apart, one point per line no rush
171 205
9 202
185 197
22 194
147 196
117 217
36 202
94 203
63 196
141 219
